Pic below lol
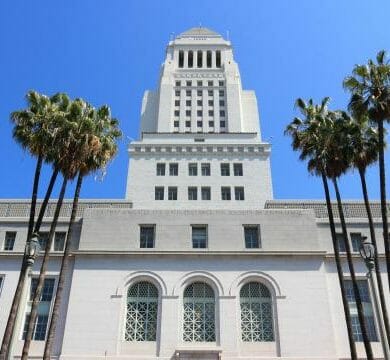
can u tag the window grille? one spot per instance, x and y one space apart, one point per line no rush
172 193
142 308
256 313
199 313
367 310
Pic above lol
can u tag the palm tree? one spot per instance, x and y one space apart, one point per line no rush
92 146
363 146
370 88
54 154
305 136
32 131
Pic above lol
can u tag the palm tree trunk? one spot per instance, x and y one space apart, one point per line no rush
9 329
347 313
358 299
45 260
63 273
42 210
382 178
362 174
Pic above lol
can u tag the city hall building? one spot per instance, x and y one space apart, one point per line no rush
198 261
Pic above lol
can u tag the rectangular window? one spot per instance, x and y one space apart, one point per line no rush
181 58
237 168
218 59
199 58
188 83
208 58
177 83
221 102
199 103
146 239
193 169
356 239
159 193
188 112
211 112
199 92
173 169
199 83
367 310
177 93
221 93
239 193
160 169
221 83
59 241
188 103
222 124
177 113
188 123
192 193
225 193
9 240
40 326
211 102
210 92
177 102
222 113
199 236
225 169
206 193
199 123
210 83
172 193
205 167
252 238
199 113
190 59
176 123
211 123
188 92
340 242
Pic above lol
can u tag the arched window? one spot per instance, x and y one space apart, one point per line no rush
141 317
199 313
256 313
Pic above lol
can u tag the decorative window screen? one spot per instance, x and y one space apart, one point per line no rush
141 317
199 313
256 313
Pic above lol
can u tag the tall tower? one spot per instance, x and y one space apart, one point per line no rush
200 144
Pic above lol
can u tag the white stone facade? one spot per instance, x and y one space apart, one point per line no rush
190 242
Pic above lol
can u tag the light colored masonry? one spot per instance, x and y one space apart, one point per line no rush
199 262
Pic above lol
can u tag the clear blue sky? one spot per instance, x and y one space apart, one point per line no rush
111 51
